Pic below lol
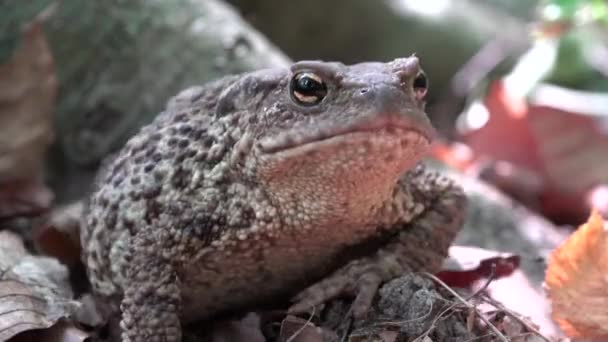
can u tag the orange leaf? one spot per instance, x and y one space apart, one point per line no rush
577 281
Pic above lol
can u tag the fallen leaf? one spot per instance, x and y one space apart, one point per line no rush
24 197
34 291
62 331
496 267
245 330
59 235
90 312
515 291
577 281
556 143
457 155
28 88
515 330
295 329
598 198
382 336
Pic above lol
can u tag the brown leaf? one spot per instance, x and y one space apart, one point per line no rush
91 312
516 291
28 87
456 155
295 329
62 331
34 291
556 147
245 330
59 235
469 274
515 330
577 281
24 197
598 198
382 336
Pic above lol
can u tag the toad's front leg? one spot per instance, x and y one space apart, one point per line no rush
152 299
419 245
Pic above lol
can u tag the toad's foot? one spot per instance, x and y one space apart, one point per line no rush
359 279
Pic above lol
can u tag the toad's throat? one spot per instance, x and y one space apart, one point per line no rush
300 137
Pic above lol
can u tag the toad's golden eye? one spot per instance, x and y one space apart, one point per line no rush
308 88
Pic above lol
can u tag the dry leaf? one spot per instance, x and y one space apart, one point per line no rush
24 197
90 312
62 331
295 329
515 290
381 336
556 143
245 330
496 267
577 281
515 330
34 291
28 88
59 236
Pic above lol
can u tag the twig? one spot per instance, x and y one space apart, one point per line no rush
299 331
468 305
350 319
432 326
485 285
401 322
515 316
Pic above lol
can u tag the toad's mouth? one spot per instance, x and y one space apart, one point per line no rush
301 137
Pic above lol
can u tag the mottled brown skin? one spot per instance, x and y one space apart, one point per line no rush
255 187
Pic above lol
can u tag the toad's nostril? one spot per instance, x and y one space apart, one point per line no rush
364 90
420 82
421 85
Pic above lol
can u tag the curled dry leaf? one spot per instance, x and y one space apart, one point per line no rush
556 148
295 329
59 236
28 87
245 330
577 281
62 331
474 265
512 285
382 336
34 291
516 331
24 197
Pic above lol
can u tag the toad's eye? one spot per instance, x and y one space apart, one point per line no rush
421 85
308 88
